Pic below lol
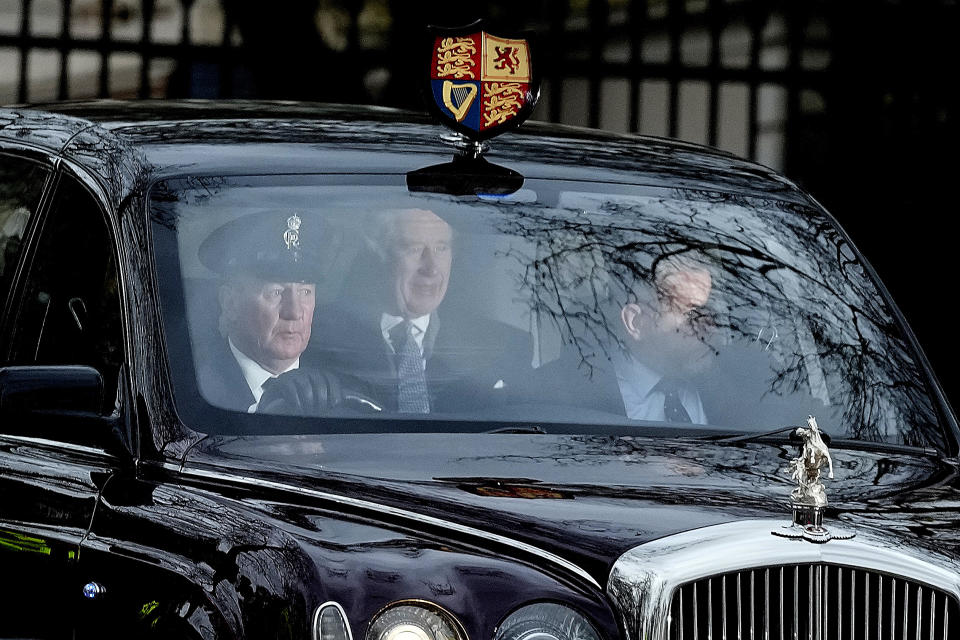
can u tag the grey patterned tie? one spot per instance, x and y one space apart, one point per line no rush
411 381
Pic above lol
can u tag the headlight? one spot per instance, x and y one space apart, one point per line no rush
545 621
415 621
330 623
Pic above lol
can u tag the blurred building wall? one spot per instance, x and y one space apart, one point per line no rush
54 49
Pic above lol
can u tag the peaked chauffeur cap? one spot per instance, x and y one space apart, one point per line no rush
280 246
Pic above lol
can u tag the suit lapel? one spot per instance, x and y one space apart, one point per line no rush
226 381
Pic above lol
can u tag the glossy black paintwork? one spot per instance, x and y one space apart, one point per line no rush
595 496
40 129
49 496
353 140
260 558
221 557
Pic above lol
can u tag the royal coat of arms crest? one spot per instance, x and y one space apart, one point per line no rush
480 84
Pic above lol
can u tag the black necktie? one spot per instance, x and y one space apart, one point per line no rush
411 381
673 409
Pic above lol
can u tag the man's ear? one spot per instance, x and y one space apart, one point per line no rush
631 315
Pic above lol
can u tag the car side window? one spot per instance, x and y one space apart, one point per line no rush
21 185
70 310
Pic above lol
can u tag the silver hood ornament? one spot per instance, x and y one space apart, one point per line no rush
809 498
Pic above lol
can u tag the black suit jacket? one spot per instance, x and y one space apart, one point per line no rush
736 392
569 381
220 378
471 363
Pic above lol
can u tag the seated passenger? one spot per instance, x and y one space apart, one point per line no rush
663 329
390 332
269 264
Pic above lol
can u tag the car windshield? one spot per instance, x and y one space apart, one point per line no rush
304 304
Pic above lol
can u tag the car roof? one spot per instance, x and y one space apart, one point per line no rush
168 138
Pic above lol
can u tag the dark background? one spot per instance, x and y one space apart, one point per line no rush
854 100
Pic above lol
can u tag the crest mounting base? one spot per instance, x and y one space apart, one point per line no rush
464 145
808 525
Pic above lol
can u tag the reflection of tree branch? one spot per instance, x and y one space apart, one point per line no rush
769 268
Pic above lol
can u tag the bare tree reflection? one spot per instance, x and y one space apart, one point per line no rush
785 279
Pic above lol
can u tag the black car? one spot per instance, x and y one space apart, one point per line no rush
296 371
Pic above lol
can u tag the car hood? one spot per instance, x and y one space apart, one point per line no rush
588 499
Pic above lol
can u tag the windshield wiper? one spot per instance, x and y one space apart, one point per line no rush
520 429
752 437
845 443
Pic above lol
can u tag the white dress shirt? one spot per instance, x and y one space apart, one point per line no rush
641 398
255 375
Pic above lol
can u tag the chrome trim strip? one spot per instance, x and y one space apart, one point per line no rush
946 619
642 580
839 600
780 600
919 612
723 607
709 610
815 602
933 611
866 601
696 626
796 601
59 444
343 614
739 610
393 511
824 630
766 604
681 616
893 607
880 609
906 605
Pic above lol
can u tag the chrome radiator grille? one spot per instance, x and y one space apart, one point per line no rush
811 602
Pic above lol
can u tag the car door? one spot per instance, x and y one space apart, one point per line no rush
63 309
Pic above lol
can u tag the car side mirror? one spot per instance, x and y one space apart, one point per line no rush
58 402
50 390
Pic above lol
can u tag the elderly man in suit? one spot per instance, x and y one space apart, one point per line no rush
395 334
267 298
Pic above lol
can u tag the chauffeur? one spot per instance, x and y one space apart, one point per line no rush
267 297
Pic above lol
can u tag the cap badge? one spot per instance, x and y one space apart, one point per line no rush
292 235
809 498
480 84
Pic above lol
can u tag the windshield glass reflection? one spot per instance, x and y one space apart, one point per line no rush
564 304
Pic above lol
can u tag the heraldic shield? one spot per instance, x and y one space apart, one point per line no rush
481 84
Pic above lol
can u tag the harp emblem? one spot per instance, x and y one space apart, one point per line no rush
458 98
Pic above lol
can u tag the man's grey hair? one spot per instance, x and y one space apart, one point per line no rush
382 233
381 236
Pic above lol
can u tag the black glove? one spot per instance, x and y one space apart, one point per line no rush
313 392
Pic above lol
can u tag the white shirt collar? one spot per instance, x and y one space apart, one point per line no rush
388 322
636 379
641 397
255 374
